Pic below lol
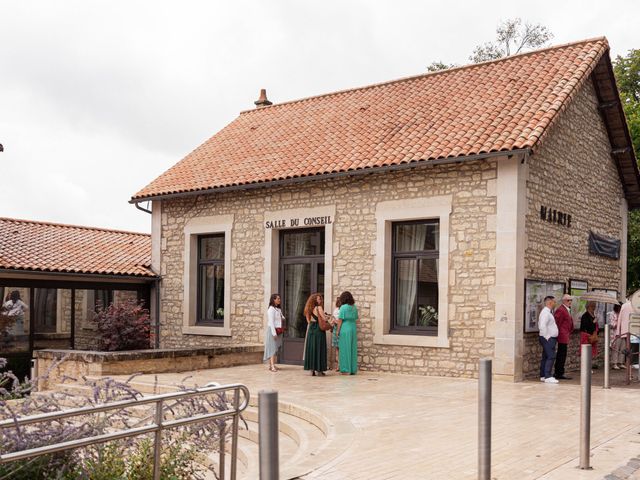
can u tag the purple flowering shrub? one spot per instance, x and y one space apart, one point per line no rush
10 385
183 448
125 326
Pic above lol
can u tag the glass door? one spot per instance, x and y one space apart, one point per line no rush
301 274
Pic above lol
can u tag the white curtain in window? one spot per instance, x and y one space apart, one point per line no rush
409 238
297 284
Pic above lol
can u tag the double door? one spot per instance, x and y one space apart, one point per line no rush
301 274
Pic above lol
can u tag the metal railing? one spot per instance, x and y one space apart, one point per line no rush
156 428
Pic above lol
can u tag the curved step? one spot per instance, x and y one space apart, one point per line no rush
308 440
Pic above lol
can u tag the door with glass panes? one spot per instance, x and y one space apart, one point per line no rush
301 274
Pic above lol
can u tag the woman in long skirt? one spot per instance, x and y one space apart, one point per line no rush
273 332
347 334
589 331
315 356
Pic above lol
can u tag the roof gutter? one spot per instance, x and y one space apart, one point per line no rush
328 176
142 208
114 278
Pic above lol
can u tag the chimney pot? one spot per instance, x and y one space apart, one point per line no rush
263 101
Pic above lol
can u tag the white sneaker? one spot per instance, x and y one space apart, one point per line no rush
542 379
551 380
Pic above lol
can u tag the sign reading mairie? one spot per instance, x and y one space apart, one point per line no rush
298 222
557 217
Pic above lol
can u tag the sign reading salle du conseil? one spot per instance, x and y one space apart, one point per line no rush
298 222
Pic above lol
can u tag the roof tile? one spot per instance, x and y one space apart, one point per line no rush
494 106
52 247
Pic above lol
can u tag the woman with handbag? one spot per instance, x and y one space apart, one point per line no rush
315 355
589 330
273 332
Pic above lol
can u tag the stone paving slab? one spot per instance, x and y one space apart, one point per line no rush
416 427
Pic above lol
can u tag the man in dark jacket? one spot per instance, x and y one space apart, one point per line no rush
565 327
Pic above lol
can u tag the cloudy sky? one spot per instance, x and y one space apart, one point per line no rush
97 98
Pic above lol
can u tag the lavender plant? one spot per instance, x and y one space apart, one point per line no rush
182 448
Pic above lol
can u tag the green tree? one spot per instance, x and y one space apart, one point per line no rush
627 72
513 36
439 65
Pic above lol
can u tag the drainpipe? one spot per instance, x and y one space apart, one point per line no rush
142 208
157 304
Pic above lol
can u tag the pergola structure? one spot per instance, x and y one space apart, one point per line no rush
63 274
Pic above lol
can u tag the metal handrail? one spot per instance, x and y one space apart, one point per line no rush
157 427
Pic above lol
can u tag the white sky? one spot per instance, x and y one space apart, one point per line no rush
97 98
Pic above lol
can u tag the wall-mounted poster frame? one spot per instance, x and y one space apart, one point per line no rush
577 288
534 293
604 309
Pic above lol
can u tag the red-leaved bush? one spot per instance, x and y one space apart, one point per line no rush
125 326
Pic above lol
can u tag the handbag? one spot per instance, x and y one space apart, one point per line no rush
323 324
280 330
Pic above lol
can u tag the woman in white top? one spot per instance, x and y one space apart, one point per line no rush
273 332
15 309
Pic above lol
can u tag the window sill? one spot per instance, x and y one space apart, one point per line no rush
203 330
412 340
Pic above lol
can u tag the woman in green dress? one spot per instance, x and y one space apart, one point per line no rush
347 336
315 349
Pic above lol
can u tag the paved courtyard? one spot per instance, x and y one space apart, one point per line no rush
384 426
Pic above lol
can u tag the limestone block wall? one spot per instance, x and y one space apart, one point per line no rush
471 262
572 172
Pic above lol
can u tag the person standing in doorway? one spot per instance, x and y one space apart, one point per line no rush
273 332
347 334
589 331
315 356
548 339
564 323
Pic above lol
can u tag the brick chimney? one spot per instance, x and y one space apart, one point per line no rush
263 101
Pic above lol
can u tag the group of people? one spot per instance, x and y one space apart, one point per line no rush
556 326
341 324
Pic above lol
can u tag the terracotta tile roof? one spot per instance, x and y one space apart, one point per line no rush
495 106
52 247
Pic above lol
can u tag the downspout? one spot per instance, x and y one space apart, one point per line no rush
142 208
156 287
157 302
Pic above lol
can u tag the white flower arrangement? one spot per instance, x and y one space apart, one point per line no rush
428 316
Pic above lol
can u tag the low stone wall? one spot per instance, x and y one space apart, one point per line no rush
52 366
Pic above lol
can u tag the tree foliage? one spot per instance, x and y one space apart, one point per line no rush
512 37
126 326
439 65
627 72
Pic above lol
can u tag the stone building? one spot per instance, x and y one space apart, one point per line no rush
448 203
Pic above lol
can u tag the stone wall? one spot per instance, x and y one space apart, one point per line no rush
572 172
54 367
471 262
